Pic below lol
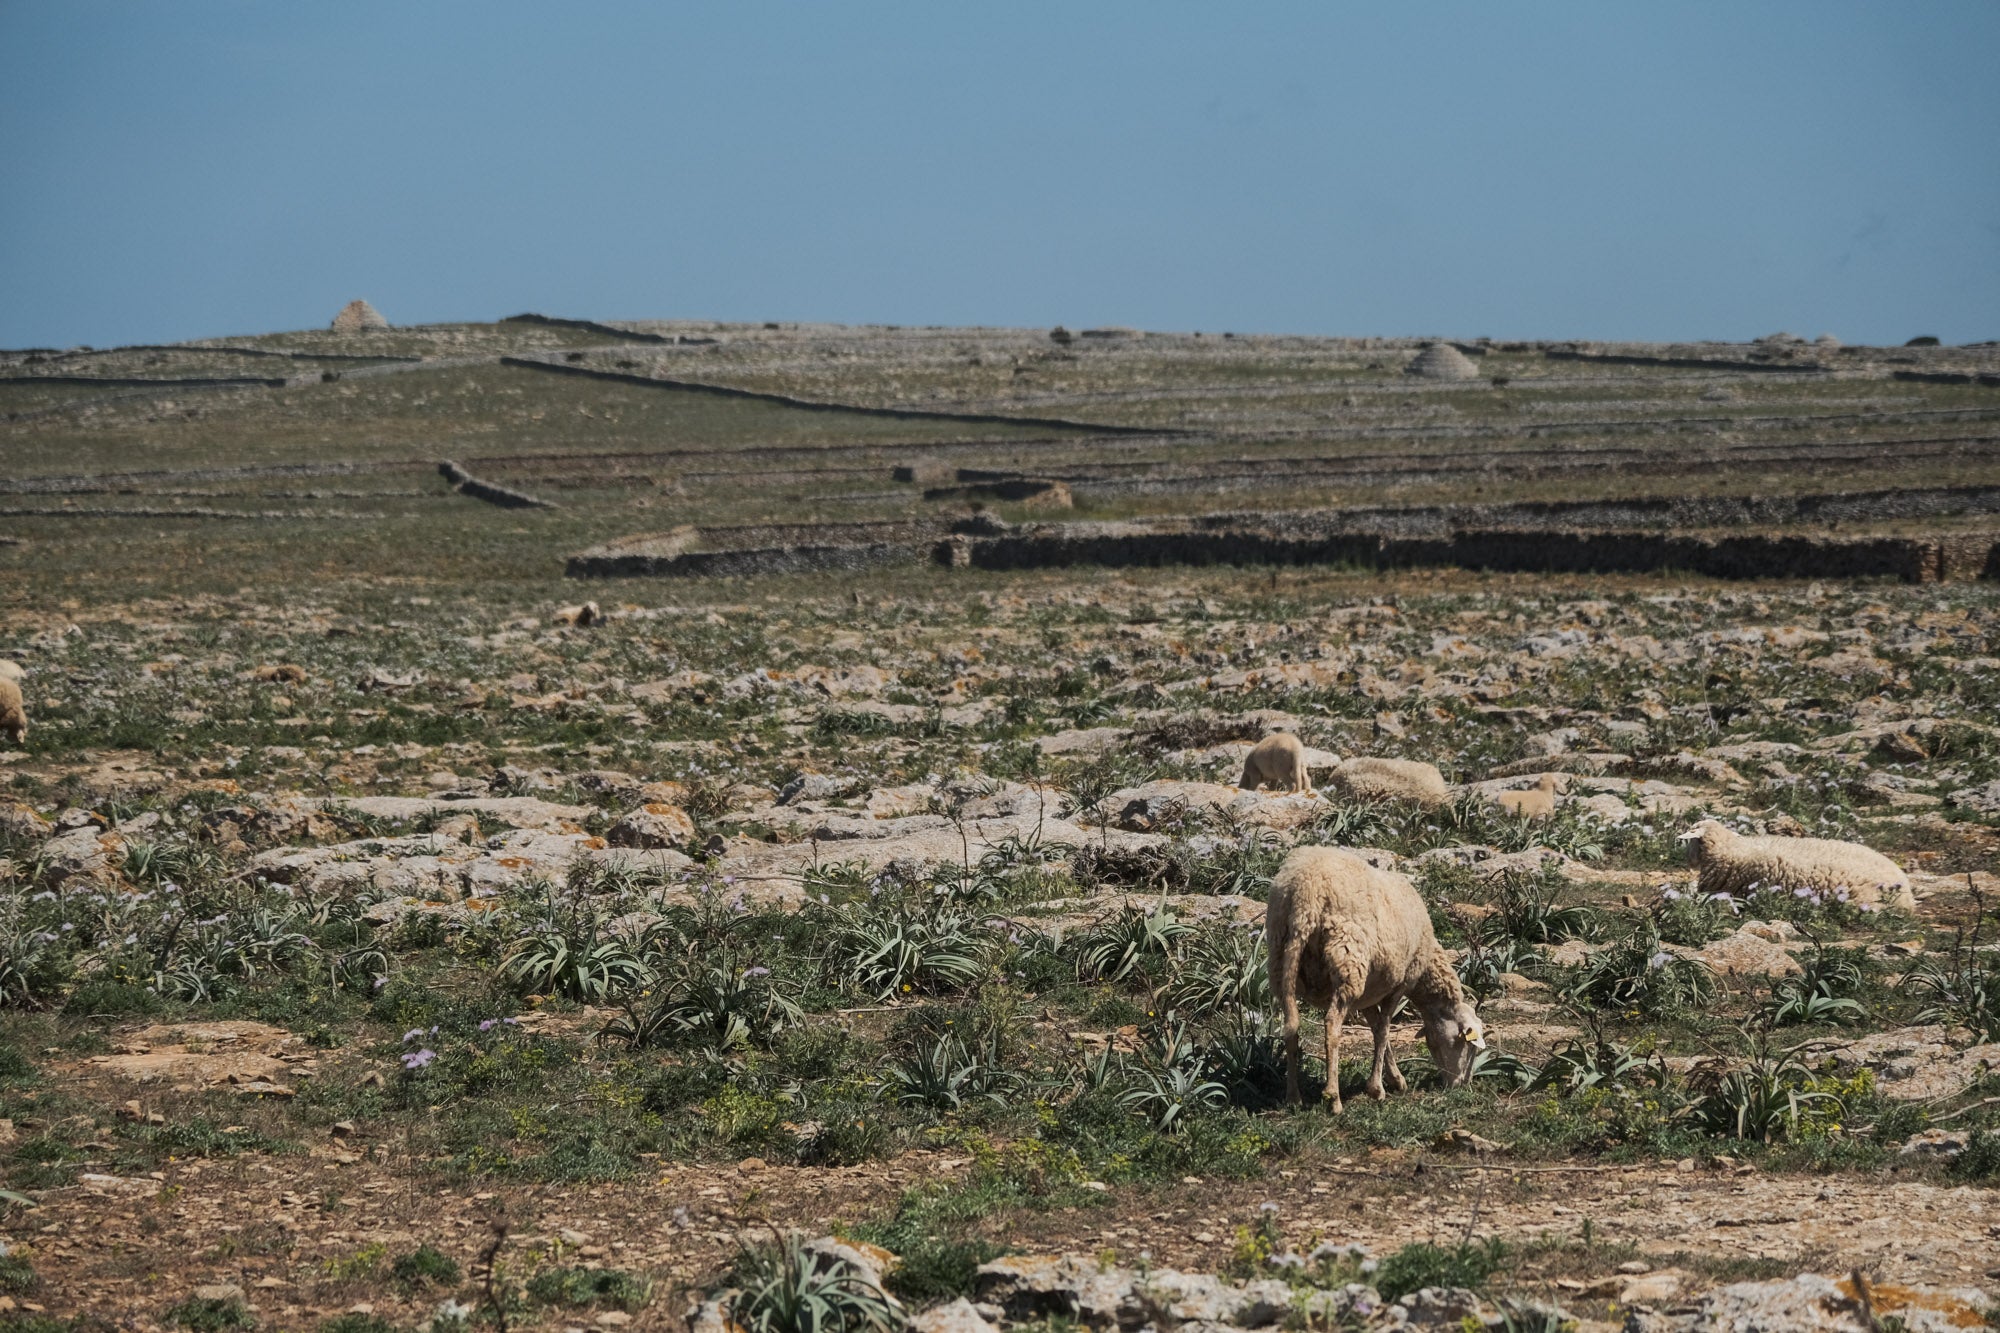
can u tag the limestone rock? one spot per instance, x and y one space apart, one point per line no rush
959 1316
1082 740
1153 805
1745 953
652 826
84 853
22 821
1812 1303
814 787
1980 800
1035 1286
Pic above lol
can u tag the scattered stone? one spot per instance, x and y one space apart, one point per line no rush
959 1316
814 787
1934 1142
1980 800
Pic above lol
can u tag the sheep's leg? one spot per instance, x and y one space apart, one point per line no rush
1385 1071
1336 1010
1286 984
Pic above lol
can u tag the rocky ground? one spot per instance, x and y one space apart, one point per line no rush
395 955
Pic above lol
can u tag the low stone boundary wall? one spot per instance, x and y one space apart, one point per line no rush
814 405
1989 381
1729 556
760 560
466 484
1683 362
588 326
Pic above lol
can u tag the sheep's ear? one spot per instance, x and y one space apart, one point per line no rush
1475 1038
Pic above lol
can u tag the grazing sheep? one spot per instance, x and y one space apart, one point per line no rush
13 714
1537 802
1279 761
1358 940
1733 863
1391 780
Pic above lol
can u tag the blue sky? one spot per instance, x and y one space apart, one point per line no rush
1529 170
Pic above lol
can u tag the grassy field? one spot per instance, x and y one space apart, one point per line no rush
380 948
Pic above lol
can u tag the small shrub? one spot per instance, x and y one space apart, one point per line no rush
1686 917
1639 975
425 1267
1135 939
16 1273
199 1315
1423 1264
1824 993
886 955
786 1288
1963 987
1981 1159
356 1322
574 959
590 1286
1529 910
1771 1098
947 1077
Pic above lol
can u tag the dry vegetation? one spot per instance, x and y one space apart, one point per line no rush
380 948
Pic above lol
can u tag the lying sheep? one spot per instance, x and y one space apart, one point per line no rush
13 713
1358 940
1279 761
1734 863
1537 802
1391 780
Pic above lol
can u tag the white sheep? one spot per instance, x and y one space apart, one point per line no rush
1734 863
13 713
1358 940
1368 779
1537 802
1279 761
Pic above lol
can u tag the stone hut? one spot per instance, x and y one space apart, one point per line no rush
1442 361
356 316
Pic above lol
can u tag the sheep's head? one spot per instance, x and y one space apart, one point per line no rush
1697 840
1455 1036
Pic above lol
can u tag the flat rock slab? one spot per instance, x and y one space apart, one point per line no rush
430 868
1814 1303
1083 740
204 1054
1917 1063
515 811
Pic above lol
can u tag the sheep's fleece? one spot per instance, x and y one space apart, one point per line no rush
1732 863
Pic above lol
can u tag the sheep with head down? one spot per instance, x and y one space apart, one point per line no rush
1279 761
1358 940
13 711
1736 864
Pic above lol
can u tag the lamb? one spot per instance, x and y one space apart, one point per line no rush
1734 863
1391 780
1537 802
13 713
1279 761
1359 941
